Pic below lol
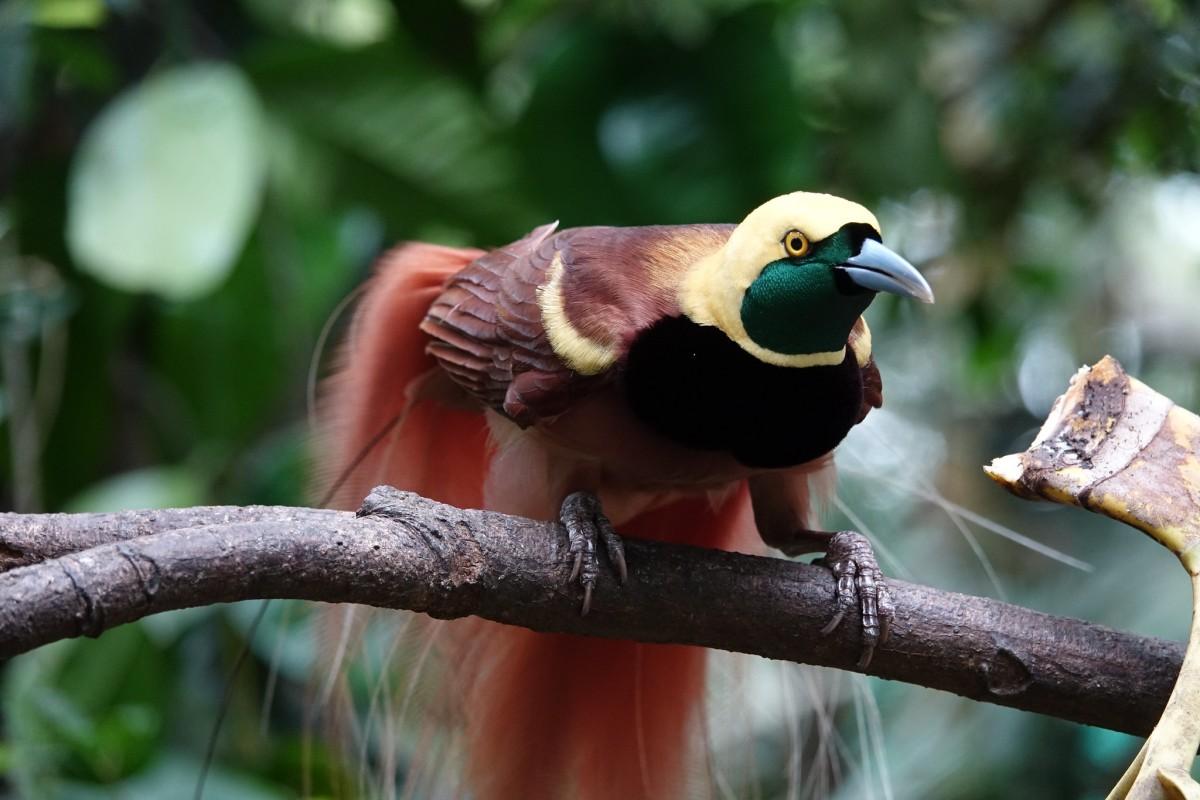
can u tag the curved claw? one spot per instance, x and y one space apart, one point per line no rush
616 552
587 599
831 626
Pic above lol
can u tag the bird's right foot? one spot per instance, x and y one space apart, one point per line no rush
860 589
587 526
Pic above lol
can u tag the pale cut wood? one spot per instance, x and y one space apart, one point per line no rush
1114 446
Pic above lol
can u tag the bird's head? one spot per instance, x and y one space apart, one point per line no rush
794 276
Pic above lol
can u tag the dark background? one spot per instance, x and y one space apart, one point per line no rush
187 190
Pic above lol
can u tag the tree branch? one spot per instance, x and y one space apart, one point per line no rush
407 552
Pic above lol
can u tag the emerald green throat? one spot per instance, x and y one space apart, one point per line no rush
796 307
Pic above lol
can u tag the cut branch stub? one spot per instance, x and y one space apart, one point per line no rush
1113 445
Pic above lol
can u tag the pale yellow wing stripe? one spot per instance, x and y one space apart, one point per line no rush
585 356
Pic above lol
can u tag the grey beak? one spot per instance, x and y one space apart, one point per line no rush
879 269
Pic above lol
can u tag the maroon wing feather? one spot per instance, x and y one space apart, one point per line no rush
486 330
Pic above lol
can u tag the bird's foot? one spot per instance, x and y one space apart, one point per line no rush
859 588
587 526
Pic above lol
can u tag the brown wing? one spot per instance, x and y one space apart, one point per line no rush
487 329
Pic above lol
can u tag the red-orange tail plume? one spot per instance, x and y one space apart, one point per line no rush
380 427
545 716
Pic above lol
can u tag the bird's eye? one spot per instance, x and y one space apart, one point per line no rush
796 243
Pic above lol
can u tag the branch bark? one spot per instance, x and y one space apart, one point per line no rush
85 573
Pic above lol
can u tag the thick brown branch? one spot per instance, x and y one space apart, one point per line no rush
447 562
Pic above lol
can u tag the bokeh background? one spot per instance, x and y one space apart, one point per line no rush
187 190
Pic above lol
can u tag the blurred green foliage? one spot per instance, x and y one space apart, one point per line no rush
187 190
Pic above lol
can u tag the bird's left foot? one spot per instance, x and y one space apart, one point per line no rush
587 527
860 588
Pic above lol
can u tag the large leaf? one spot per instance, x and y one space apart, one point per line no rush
166 183
347 23
152 487
69 13
425 132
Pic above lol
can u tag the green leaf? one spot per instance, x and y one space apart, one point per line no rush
69 13
347 23
92 709
154 487
166 183
408 122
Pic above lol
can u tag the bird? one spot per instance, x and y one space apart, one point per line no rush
686 383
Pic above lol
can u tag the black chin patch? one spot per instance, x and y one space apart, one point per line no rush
845 284
698 388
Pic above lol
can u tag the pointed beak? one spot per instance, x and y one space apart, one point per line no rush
879 269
